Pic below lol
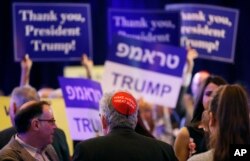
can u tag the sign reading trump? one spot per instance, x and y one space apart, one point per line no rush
82 98
211 30
51 31
149 70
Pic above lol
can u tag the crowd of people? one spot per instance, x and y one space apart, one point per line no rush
202 126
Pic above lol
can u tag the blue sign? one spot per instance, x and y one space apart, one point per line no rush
150 26
211 30
155 57
52 31
149 70
81 93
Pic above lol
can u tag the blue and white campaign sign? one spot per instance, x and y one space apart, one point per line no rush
82 98
150 26
211 30
149 70
52 31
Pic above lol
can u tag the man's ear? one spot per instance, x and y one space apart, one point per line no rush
104 122
14 108
12 111
35 124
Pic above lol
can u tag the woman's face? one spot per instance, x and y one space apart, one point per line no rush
208 94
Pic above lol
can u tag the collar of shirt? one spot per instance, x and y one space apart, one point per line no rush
34 152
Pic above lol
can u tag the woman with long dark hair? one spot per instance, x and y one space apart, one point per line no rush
195 130
228 123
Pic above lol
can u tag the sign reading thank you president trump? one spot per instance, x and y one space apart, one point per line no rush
52 31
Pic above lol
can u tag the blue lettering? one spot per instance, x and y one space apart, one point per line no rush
140 85
153 88
141 88
165 89
95 125
115 79
127 80
77 123
87 125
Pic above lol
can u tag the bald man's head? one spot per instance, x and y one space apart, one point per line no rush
28 104
19 96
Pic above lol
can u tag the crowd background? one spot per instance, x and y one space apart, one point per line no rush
49 71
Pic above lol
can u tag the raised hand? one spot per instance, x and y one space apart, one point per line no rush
191 147
88 65
26 65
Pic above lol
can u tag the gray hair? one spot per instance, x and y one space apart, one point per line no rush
21 95
114 118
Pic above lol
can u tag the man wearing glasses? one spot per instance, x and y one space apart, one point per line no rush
35 125
19 96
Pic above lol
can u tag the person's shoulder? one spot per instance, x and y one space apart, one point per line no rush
92 143
153 141
208 156
92 140
8 131
163 144
8 151
167 149
143 137
7 154
5 136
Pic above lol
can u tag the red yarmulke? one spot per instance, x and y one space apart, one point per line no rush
124 103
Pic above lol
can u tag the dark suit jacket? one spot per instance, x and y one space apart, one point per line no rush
123 144
59 142
15 151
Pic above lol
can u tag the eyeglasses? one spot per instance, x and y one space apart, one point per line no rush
52 121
